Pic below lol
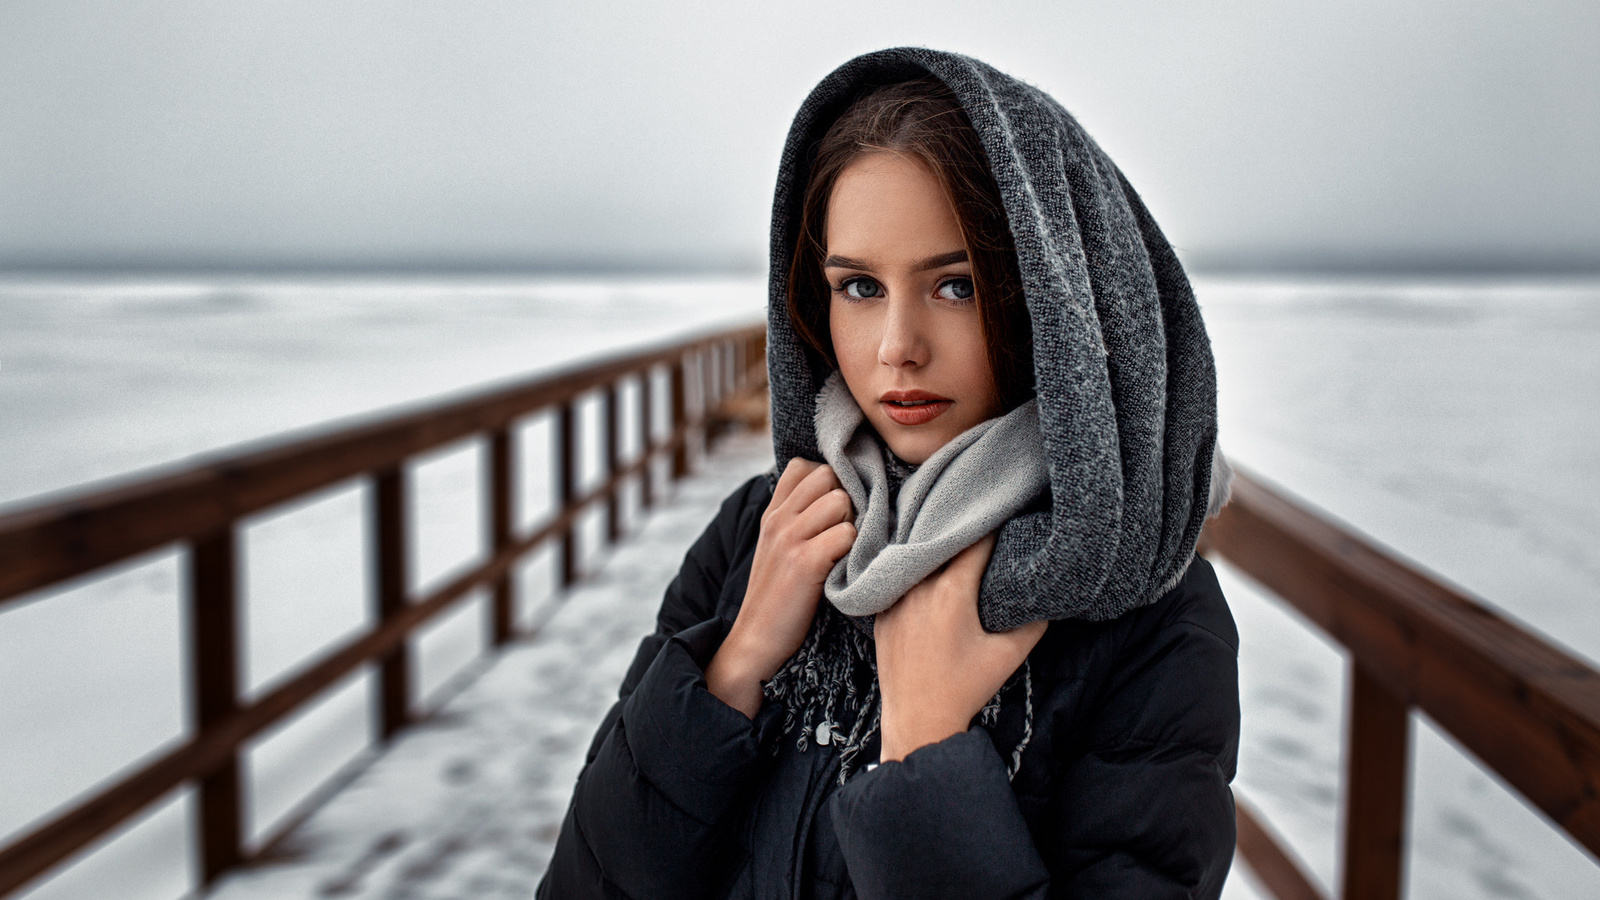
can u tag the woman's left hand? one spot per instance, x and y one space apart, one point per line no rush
937 667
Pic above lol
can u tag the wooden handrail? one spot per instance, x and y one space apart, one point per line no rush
1279 872
1527 709
200 506
45 545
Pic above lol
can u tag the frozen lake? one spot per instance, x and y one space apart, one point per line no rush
1457 422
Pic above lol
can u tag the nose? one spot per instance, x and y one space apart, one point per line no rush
903 344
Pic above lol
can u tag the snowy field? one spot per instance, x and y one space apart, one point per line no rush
1458 423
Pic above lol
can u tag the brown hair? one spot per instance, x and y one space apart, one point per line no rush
921 119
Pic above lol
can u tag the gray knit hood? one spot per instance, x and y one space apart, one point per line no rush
1125 381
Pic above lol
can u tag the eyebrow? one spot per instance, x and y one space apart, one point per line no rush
834 261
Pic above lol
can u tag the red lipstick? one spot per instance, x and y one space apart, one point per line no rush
913 407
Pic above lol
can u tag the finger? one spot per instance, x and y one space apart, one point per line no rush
830 509
816 484
793 474
837 540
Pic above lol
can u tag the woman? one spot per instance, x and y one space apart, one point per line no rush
994 410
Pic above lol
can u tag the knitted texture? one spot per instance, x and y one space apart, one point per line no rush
1126 385
966 489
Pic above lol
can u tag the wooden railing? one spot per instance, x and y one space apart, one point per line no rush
1527 710
199 509
1524 708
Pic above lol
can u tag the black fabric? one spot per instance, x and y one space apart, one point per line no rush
1123 789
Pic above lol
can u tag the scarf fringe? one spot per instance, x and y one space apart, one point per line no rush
819 688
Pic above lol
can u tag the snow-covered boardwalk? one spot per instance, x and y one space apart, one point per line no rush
468 803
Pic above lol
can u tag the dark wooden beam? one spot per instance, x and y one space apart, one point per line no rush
214 674
566 484
680 415
1276 868
392 593
502 491
1378 759
647 437
1527 709
613 457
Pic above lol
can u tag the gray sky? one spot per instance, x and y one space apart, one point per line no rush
1341 134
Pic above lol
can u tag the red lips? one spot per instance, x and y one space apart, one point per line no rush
913 407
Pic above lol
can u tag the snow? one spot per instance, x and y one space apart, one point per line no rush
1453 421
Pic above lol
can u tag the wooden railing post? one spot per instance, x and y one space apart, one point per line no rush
567 490
1375 790
389 527
214 655
680 416
647 426
613 426
711 374
502 494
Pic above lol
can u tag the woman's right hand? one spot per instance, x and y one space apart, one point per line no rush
808 526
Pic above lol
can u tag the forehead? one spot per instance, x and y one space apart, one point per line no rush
889 203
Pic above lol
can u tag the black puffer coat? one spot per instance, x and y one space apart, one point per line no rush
1123 789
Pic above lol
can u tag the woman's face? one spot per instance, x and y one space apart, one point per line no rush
904 320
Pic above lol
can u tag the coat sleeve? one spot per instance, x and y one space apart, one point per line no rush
1147 810
940 823
1144 811
670 762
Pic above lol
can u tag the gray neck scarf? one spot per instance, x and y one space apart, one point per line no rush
967 489
905 529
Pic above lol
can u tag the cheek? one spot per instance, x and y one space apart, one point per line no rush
968 351
854 346
973 356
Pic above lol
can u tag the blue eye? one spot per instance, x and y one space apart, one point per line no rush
860 289
957 289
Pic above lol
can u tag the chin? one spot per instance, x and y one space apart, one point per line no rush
915 449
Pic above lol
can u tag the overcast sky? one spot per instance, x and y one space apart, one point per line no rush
1334 134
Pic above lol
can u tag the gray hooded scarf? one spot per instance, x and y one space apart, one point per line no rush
1126 385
